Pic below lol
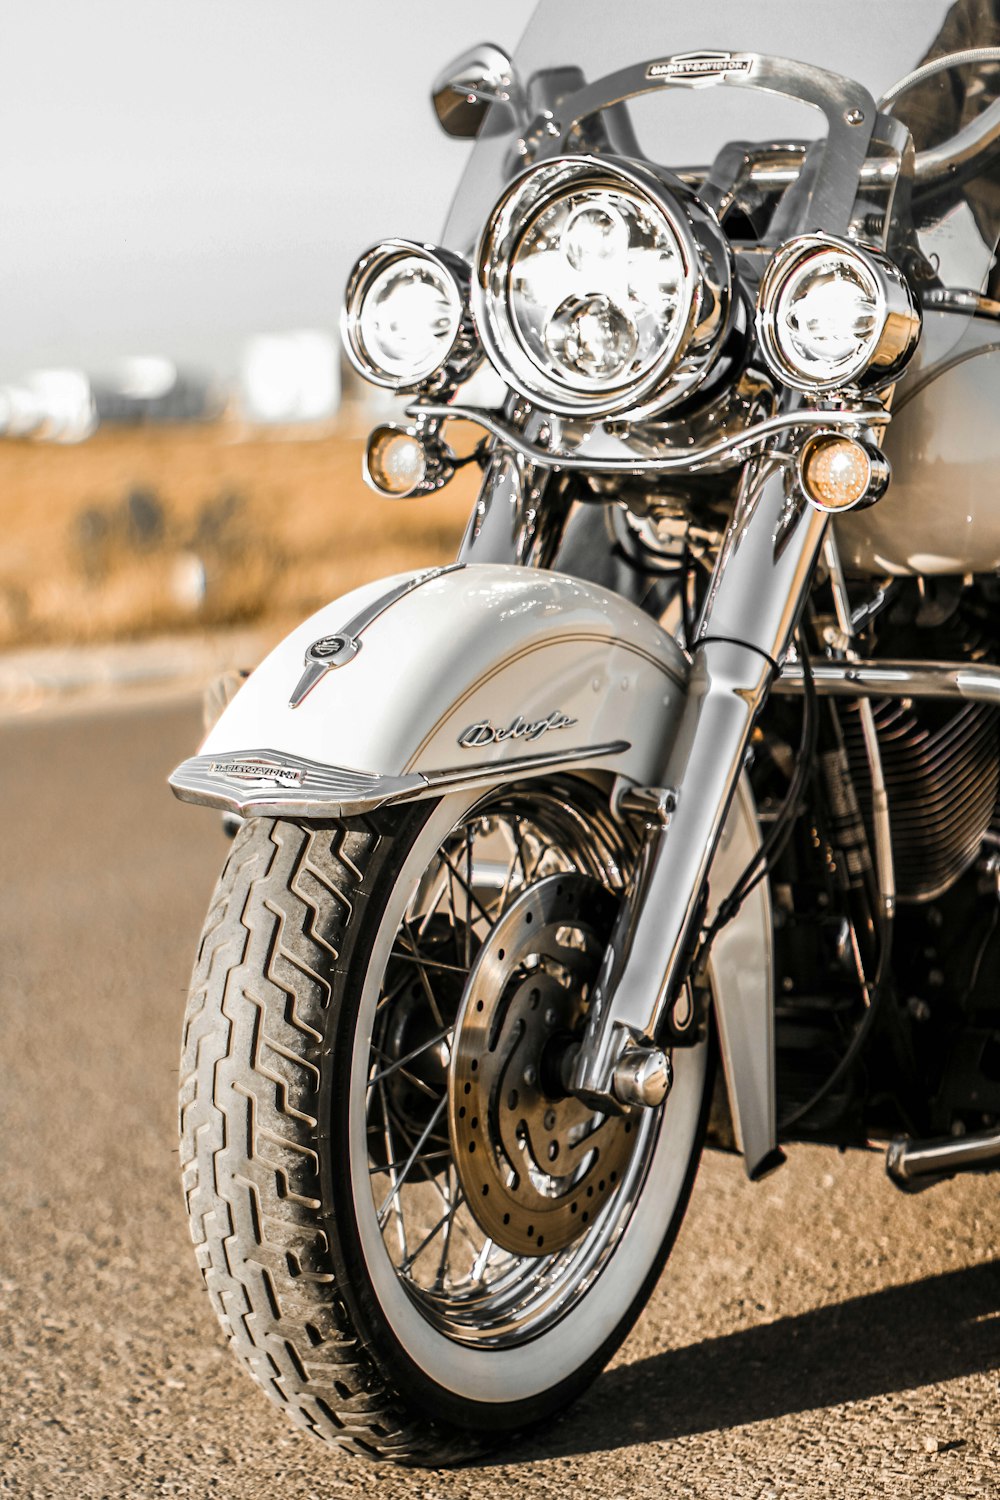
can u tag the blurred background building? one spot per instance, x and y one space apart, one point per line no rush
184 187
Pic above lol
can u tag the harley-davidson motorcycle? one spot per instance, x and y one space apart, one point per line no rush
669 808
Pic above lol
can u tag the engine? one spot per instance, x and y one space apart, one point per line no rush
941 760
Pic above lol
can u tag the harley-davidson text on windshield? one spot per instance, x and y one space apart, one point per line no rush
679 787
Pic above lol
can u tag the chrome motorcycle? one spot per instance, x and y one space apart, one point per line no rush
690 758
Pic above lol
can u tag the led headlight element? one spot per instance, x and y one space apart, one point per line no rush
406 315
601 287
832 317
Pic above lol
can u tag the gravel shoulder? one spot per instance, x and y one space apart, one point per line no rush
817 1335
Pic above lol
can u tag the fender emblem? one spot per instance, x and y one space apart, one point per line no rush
699 65
257 772
485 733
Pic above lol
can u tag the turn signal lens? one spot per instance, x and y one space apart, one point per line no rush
401 462
395 463
838 473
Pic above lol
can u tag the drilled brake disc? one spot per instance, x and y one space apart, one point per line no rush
536 1166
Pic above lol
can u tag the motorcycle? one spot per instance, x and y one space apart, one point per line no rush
669 808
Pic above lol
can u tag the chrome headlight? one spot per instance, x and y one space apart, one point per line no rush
406 315
601 287
832 316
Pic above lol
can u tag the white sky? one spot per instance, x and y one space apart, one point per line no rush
178 174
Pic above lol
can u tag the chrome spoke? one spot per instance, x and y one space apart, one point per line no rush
471 898
479 1265
446 1218
464 1281
401 1062
398 1183
394 1180
393 1166
430 963
424 981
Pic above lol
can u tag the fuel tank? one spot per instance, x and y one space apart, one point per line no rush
942 510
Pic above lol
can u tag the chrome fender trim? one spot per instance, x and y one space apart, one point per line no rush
261 783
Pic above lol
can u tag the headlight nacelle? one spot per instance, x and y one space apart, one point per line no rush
601 287
834 317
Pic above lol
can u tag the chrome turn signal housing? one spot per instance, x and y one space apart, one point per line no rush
834 317
839 473
402 463
406 321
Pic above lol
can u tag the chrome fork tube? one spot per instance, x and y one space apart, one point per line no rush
761 578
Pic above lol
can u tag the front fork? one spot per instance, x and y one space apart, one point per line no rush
761 579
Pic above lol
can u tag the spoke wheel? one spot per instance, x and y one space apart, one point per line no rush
332 1027
497 1198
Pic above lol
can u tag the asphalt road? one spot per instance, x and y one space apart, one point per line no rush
818 1335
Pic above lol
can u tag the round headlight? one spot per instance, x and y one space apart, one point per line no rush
601 287
406 315
831 316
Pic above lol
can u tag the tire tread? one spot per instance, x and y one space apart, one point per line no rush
249 1119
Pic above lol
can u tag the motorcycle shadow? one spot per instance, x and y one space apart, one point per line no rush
933 1330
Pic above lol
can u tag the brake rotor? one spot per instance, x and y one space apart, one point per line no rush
536 1165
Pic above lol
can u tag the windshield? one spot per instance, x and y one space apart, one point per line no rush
875 43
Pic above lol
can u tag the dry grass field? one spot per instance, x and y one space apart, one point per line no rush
150 530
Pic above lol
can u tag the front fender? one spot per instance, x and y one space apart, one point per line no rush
475 673
430 683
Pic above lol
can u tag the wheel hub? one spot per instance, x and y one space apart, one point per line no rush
536 1166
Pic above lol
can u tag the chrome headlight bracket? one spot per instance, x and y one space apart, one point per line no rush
688 341
880 353
452 351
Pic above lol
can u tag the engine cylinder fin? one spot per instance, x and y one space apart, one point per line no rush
942 775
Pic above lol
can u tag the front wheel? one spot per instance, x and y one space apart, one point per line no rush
414 1241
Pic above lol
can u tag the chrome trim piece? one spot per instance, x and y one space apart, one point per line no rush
486 733
849 109
879 361
976 682
333 651
463 353
729 453
642 1077
908 1161
269 783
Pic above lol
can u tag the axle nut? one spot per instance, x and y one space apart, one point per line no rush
642 1077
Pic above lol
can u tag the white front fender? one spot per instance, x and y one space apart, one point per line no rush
428 683
474 673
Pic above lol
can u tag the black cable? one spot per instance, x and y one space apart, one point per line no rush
774 842
857 1040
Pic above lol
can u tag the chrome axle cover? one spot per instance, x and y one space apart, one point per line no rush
537 1167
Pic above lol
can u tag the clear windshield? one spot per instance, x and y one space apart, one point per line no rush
875 43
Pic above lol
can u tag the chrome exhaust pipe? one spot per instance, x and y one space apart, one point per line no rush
913 1165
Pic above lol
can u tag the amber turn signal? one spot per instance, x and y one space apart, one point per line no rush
837 473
